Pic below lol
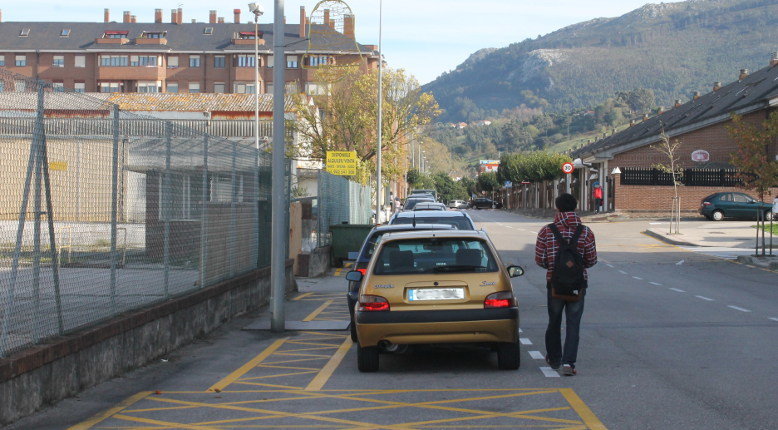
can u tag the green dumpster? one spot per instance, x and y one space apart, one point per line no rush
347 238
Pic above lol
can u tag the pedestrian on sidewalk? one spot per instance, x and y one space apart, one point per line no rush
597 195
566 248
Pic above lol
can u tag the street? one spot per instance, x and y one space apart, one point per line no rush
670 339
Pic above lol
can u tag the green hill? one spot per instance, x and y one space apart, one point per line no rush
674 49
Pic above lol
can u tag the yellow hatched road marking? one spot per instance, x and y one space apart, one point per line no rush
232 377
88 424
319 310
581 409
302 296
326 372
168 424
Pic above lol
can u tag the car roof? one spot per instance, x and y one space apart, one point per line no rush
407 227
423 234
431 214
428 204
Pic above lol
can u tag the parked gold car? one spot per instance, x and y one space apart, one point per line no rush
435 287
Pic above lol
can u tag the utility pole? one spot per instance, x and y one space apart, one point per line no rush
378 194
278 221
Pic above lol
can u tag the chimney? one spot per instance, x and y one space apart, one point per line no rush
194 21
327 17
303 22
631 122
716 85
773 60
212 17
348 26
743 74
696 95
126 17
106 15
180 16
158 15
173 16
133 19
220 20
236 12
678 103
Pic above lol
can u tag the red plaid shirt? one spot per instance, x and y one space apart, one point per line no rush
546 246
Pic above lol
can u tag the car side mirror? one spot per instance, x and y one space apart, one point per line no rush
514 271
354 276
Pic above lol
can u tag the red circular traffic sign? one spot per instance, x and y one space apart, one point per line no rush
568 168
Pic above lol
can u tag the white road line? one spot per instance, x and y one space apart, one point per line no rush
738 308
655 283
537 355
525 341
679 263
609 265
677 290
705 298
635 277
773 319
549 372
622 272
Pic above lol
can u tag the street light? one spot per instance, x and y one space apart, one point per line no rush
258 11
378 208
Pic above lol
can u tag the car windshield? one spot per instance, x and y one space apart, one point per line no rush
458 222
434 255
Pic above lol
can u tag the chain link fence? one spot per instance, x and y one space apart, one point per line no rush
103 211
341 201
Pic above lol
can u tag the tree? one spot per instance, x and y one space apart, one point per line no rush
447 188
669 149
757 171
345 118
531 166
487 182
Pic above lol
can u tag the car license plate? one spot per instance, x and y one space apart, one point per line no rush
415 294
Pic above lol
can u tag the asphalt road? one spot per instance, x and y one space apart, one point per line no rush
670 339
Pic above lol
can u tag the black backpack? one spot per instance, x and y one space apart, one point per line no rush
567 280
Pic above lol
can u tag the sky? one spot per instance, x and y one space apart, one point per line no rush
424 37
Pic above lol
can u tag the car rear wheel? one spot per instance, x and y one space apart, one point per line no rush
353 329
367 359
509 356
718 215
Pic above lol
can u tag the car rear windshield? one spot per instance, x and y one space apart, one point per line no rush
458 222
434 255
413 202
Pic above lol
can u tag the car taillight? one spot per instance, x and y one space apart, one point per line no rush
370 303
362 271
706 203
502 299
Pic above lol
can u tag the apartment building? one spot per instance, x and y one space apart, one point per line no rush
175 57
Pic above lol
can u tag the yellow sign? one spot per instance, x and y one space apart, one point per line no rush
58 165
343 163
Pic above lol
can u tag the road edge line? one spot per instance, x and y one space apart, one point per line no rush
582 410
242 370
101 416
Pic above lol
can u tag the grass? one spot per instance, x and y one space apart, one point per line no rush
767 227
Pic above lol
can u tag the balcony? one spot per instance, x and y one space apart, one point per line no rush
151 41
142 73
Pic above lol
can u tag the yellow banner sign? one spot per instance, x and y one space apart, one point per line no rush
58 165
342 163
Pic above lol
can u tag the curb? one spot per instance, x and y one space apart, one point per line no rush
667 240
768 263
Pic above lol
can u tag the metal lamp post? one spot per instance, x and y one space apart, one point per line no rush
258 11
379 190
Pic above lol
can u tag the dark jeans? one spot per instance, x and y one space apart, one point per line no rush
573 312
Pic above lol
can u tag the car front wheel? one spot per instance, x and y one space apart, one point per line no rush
718 215
367 359
509 356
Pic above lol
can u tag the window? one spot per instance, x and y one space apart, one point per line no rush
172 62
25 32
114 60
270 61
2 60
20 86
313 89
58 87
244 88
247 35
194 87
115 34
320 60
218 61
435 255
149 86
741 198
110 87
221 189
21 60
291 88
244 60
172 87
153 34
208 31
79 87
65 32
80 61
194 61
144 61
218 87
58 61
291 62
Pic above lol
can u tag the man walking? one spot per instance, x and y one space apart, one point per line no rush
566 236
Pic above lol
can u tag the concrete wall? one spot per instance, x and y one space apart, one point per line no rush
66 365
313 264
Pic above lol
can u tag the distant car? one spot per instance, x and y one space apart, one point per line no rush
718 206
436 287
483 203
459 220
457 204
429 206
366 252
411 202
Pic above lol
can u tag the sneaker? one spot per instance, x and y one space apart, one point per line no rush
554 366
568 369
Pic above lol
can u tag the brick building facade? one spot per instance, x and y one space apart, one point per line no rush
176 57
